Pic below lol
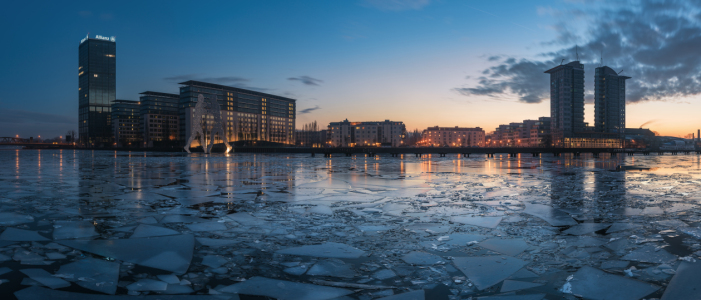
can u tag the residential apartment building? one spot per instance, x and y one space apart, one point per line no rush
126 121
529 133
609 101
248 115
453 137
366 134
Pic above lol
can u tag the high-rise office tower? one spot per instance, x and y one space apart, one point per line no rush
566 100
96 89
610 101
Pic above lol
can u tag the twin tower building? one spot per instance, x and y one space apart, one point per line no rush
567 107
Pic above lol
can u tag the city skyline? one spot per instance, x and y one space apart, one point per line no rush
372 61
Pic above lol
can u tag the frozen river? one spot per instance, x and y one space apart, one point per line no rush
104 225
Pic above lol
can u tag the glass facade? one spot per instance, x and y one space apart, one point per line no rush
248 115
96 90
610 101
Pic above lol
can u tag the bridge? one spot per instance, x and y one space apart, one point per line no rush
465 152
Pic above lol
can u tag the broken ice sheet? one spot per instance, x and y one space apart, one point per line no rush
513 285
170 253
147 285
486 271
463 239
553 216
421 258
208 226
513 297
586 228
95 274
214 261
488 222
510 247
650 254
21 235
593 283
45 278
331 267
413 295
73 230
331 250
9 219
284 290
686 283
144 230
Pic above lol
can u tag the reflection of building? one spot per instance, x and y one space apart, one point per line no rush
126 121
248 115
610 101
96 89
160 121
452 137
567 108
361 134
529 133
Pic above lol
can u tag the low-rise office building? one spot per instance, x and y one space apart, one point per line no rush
160 122
125 123
453 137
247 115
366 134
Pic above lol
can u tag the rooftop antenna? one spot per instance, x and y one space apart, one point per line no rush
601 58
562 61
619 73
576 51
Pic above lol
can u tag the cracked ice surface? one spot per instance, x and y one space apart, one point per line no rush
168 226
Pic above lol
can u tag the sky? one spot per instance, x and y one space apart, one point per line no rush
424 62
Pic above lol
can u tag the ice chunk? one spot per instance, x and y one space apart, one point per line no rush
649 253
488 222
296 270
692 231
421 258
147 285
94 274
10 218
147 220
487 271
554 217
373 229
144 230
614 264
384 274
5 270
34 293
214 261
331 267
169 279
652 210
284 290
170 253
513 285
592 283
208 226
247 220
616 227
321 209
181 219
413 295
73 230
21 235
586 228
514 297
507 246
686 283
331 250
214 243
462 239
46 278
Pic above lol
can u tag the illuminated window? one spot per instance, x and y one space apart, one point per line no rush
95 75
110 55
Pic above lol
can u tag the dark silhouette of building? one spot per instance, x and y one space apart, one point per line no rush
126 123
610 101
96 89
566 100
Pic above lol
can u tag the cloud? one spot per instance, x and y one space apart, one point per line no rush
16 116
308 110
306 80
655 43
396 5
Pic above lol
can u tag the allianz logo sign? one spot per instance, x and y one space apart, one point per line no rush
104 38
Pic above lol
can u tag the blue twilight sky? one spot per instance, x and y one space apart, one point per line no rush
424 62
